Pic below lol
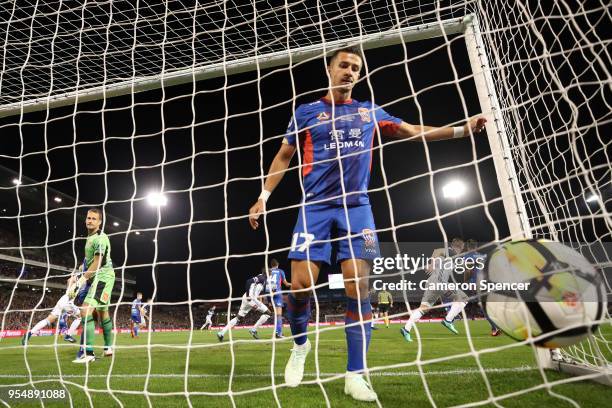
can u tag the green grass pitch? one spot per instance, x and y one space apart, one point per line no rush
452 375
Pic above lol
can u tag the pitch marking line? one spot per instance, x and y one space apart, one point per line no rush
374 374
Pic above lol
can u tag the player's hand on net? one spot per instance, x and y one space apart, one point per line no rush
255 212
476 125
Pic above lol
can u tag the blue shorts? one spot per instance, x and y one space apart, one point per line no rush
277 300
136 318
313 242
80 297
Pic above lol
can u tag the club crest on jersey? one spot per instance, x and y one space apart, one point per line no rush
365 114
323 116
369 238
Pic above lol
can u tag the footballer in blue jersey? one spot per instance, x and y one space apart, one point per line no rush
276 281
62 324
136 312
334 136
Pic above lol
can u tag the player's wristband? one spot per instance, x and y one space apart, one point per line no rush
265 194
458 132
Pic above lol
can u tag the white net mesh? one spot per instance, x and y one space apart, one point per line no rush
207 146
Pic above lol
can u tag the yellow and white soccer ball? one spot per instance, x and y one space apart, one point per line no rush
566 296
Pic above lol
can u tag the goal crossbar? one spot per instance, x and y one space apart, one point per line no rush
269 60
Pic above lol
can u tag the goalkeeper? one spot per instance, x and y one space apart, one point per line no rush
99 270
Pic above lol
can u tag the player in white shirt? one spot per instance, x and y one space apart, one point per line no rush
146 312
208 323
250 300
439 274
65 304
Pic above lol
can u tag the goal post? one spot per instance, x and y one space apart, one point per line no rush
507 180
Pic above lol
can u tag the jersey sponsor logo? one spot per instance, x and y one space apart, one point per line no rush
344 145
365 114
355 133
323 116
336 134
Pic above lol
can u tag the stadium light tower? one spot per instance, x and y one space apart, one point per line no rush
454 189
157 199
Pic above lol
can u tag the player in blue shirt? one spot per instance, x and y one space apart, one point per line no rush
334 136
136 309
474 274
276 281
62 324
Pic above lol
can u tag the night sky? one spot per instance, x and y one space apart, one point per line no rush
206 218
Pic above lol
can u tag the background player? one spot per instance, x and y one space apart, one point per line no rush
473 274
439 273
335 164
64 305
250 300
385 302
99 269
137 313
146 313
208 323
276 281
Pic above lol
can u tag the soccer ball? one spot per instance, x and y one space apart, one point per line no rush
565 296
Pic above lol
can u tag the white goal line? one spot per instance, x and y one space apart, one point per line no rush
264 375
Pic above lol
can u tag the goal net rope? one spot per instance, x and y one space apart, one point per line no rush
191 100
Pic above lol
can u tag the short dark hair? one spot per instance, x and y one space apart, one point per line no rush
352 49
97 211
273 263
457 240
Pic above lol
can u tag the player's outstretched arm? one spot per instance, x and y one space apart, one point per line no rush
431 133
275 175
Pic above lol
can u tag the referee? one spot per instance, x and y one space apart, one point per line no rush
385 302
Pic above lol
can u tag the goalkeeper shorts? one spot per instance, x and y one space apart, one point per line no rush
99 293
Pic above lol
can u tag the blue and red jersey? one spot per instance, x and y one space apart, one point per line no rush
275 280
322 144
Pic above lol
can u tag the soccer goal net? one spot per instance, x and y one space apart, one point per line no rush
166 116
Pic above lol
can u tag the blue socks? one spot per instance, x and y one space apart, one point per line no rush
279 324
355 339
298 313
357 336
